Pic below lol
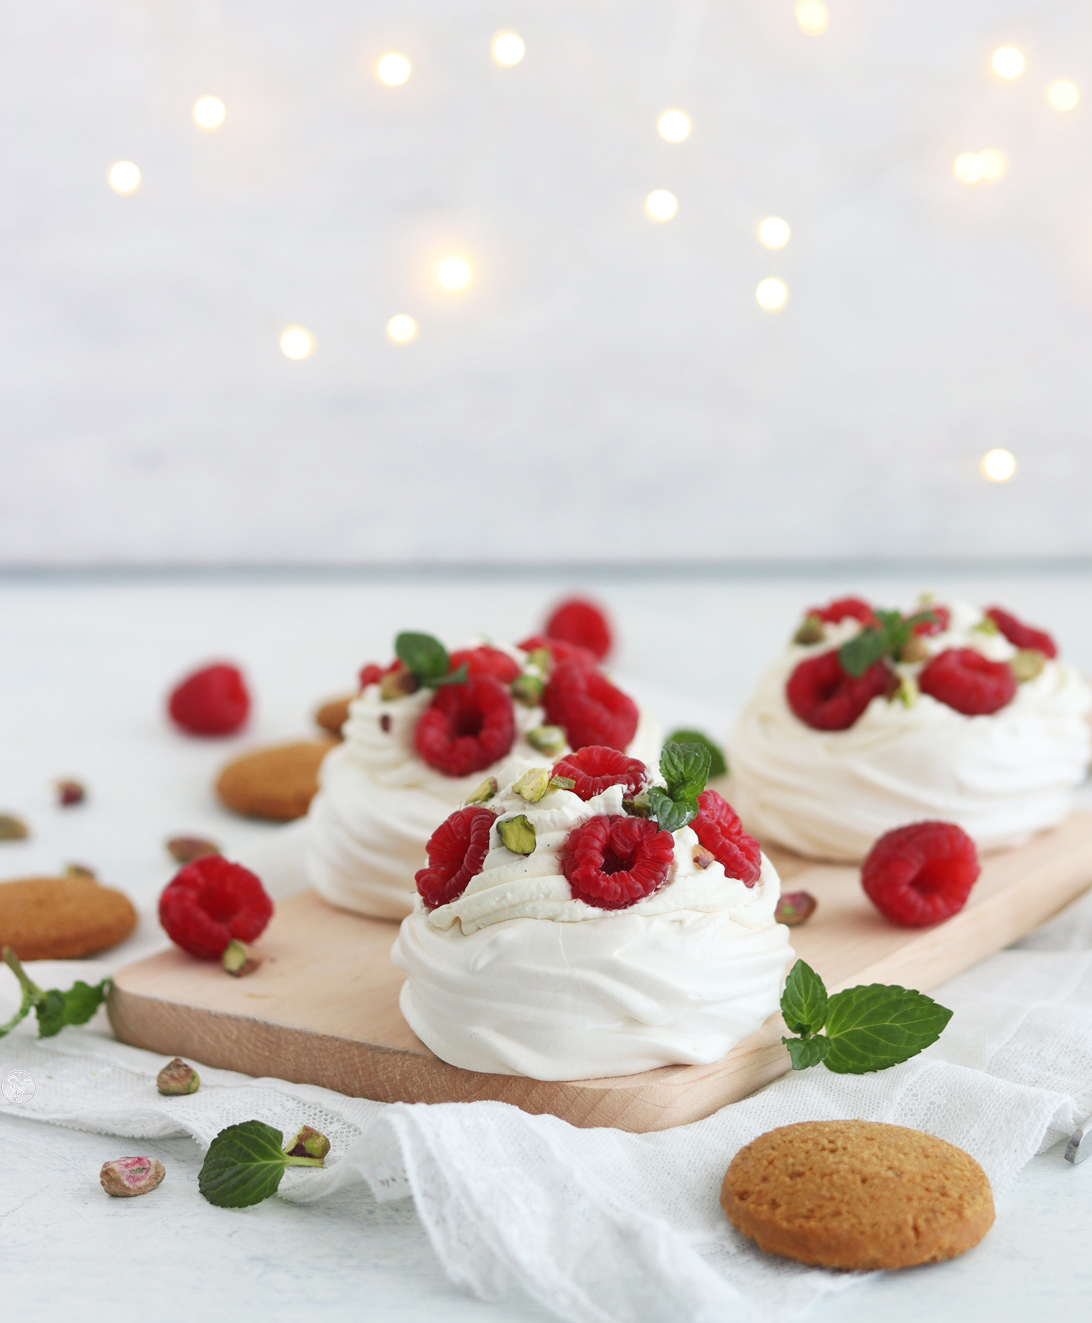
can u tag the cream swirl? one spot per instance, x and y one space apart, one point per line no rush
518 977
379 802
830 794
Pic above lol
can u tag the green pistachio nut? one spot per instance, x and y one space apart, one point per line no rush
639 807
908 692
811 631
539 658
546 739
528 689
308 1143
177 1077
987 625
12 828
914 649
238 959
397 684
485 792
517 834
533 785
795 908
1027 664
562 783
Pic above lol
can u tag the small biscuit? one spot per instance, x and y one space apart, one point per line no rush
857 1195
277 783
62 918
333 715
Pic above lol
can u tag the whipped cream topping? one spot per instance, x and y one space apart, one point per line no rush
379 802
518 977
830 794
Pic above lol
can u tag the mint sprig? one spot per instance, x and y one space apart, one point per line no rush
718 765
427 660
685 768
54 1008
886 638
244 1165
860 1029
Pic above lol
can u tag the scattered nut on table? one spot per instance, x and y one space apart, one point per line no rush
126 1177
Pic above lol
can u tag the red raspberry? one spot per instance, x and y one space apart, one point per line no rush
212 701
719 829
967 681
466 727
588 707
613 862
581 622
595 767
560 651
1021 635
487 661
456 853
826 697
212 902
843 608
937 626
920 874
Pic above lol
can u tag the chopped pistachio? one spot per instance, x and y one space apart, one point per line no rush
1027 664
811 631
240 959
397 684
185 849
517 834
70 792
562 783
908 692
12 828
795 908
126 1177
703 857
914 649
639 807
533 785
546 739
528 689
78 870
987 625
308 1143
539 658
483 793
177 1077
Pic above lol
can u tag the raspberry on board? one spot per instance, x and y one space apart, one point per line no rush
211 701
456 853
823 695
466 727
588 707
560 651
1021 635
719 829
965 680
942 619
576 620
595 767
613 862
212 902
488 661
920 874
843 608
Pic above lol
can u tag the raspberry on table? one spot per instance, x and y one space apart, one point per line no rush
920 874
211 903
942 619
1021 635
843 608
823 695
595 767
719 829
456 853
588 707
560 651
211 701
613 862
968 682
487 661
579 621
466 727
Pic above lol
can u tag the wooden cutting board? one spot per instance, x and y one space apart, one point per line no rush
323 1008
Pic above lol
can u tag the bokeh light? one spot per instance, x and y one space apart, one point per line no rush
508 49
401 329
994 164
124 177
772 294
674 125
209 112
984 167
998 465
1063 94
661 205
393 69
813 17
454 273
773 232
297 342
1008 62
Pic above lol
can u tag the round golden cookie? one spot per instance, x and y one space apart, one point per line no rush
62 918
858 1195
277 783
333 714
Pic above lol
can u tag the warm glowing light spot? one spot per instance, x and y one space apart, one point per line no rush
660 205
998 465
813 17
773 232
1063 94
401 329
124 177
508 49
772 294
297 342
209 112
674 125
454 273
1008 62
994 164
393 69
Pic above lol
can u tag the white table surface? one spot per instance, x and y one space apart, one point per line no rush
84 663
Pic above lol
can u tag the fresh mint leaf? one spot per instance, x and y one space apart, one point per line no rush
685 768
717 763
243 1166
671 814
457 676
423 656
876 1025
863 650
807 1052
76 1006
804 1001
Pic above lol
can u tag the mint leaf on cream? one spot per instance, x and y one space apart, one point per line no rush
718 765
427 660
886 638
685 768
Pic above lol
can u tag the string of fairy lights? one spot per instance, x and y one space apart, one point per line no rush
454 272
